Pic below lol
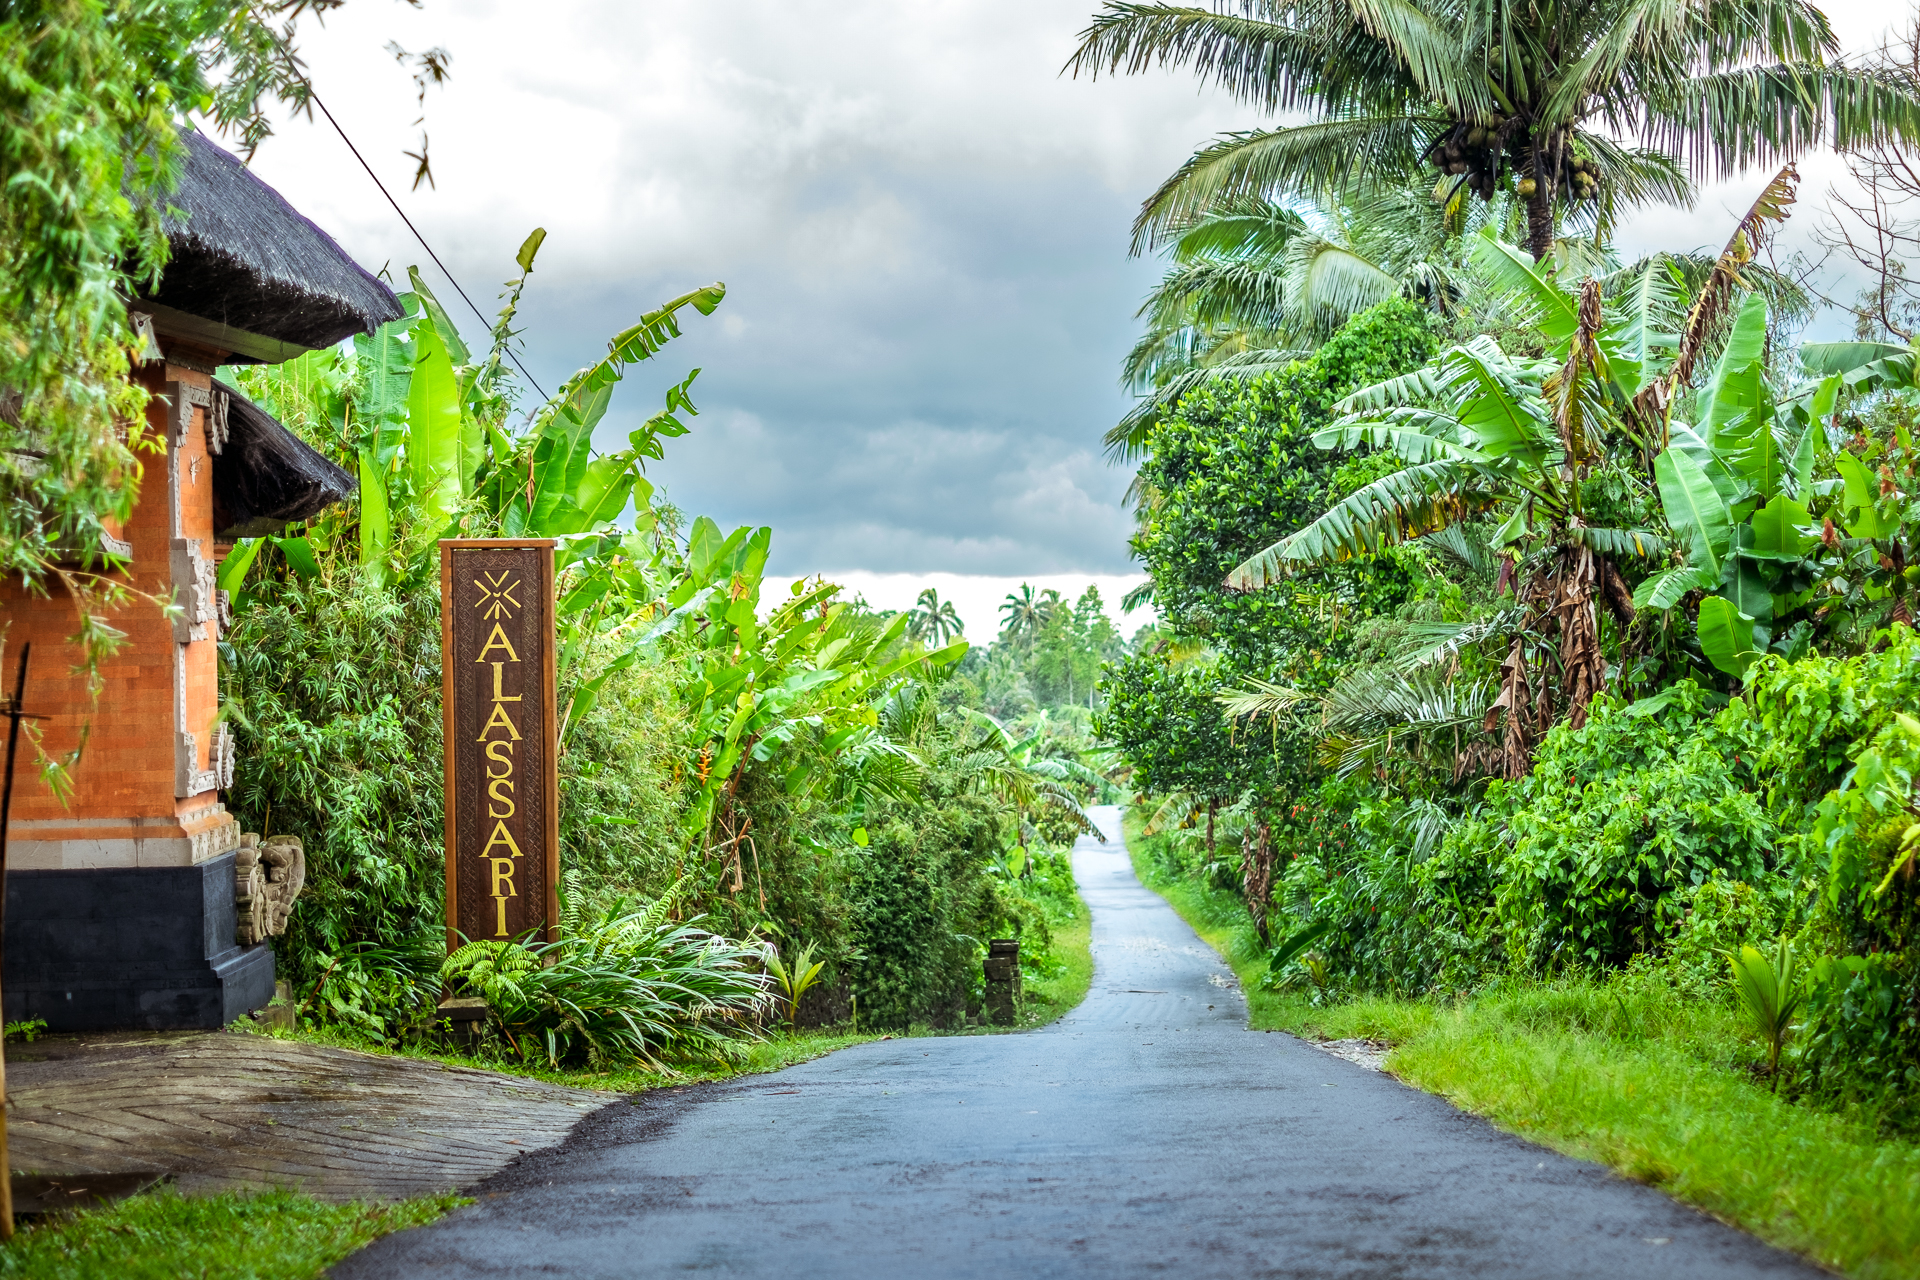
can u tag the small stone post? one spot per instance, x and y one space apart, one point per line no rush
1003 981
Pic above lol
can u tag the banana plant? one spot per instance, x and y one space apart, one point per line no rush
756 687
1734 485
1480 432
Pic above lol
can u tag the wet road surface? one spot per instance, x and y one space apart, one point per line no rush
1147 1133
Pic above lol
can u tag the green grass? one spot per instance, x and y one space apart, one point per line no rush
1047 999
779 1049
1662 1088
272 1235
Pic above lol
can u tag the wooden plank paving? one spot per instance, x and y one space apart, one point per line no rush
222 1111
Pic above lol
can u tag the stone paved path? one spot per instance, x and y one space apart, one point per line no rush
1146 1134
220 1111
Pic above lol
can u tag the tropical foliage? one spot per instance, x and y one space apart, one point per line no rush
1577 646
93 96
782 766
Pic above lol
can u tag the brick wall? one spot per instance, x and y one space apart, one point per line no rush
123 810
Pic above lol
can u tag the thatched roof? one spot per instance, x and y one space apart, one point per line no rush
262 281
265 477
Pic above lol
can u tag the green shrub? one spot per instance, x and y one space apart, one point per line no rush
632 987
337 685
1620 821
338 740
922 901
1862 1038
1720 916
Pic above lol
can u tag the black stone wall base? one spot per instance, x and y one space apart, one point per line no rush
149 948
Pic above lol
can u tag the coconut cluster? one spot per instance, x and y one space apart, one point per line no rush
1475 151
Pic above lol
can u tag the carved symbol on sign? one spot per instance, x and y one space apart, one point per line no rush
496 598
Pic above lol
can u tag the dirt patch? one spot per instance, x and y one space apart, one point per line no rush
1371 1054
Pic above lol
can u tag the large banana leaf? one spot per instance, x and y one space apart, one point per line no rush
1738 384
1409 503
385 360
1502 418
1616 543
1752 449
1748 591
1662 591
449 333
1647 319
1855 359
1776 531
1726 638
376 528
1863 519
1512 272
1684 439
1424 385
1695 511
433 428
1412 435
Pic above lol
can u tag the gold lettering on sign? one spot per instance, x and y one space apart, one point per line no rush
497 706
497 601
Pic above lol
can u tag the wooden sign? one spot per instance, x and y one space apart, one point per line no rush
503 782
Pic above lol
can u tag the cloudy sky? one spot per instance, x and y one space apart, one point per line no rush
921 225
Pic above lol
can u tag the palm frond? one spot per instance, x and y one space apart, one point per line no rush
1127 439
1327 284
1409 503
1261 698
1463 545
1371 713
1432 642
1731 120
1306 55
1333 155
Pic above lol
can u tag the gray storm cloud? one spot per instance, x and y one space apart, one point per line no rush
922 226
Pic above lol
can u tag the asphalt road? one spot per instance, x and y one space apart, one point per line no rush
1147 1133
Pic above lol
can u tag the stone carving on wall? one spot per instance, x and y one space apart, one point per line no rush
196 589
266 880
182 397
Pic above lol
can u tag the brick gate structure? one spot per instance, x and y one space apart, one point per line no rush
120 907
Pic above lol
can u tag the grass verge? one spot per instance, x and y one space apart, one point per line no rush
778 1050
1047 999
272 1235
1659 1087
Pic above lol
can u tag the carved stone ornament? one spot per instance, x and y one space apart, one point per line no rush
181 399
195 584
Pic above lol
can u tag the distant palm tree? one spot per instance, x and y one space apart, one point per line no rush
933 620
1024 612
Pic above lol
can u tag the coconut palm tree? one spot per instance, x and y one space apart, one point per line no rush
933 620
1535 95
1024 612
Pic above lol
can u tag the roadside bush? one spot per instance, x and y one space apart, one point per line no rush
631 987
1620 821
335 686
923 904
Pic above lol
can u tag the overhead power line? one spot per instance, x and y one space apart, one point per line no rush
416 231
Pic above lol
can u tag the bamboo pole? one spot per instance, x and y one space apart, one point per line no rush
14 716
